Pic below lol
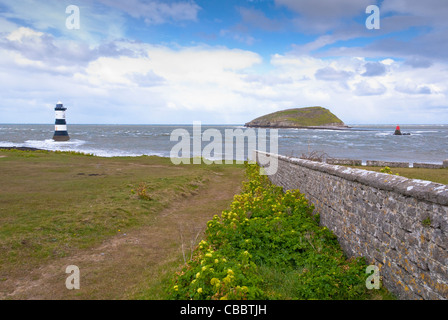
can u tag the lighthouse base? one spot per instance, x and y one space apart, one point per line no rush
61 137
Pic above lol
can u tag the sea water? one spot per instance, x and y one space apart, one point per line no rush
426 143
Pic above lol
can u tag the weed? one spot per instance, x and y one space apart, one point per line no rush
426 222
388 171
142 191
269 246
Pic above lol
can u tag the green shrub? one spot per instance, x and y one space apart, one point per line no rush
142 191
269 237
388 171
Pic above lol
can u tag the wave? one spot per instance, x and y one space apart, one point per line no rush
50 144
10 144
382 134
120 153
79 146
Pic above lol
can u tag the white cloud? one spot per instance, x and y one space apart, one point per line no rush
132 87
356 98
374 69
369 88
23 34
412 88
130 82
107 71
331 74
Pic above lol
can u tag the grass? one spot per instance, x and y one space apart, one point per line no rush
434 175
311 116
52 203
55 205
270 246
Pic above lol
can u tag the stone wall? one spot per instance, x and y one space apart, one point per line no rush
394 164
428 165
397 224
378 163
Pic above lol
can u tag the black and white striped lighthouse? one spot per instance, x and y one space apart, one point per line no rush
60 126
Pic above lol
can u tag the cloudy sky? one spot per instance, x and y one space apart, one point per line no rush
222 61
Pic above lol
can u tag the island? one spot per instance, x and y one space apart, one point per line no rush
309 118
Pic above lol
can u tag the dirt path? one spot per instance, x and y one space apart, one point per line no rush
117 268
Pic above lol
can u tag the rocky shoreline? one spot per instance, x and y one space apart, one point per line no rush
20 148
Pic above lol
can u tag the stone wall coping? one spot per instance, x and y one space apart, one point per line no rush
419 189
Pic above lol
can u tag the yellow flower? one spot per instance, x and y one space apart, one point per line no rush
227 280
215 282
200 290
176 288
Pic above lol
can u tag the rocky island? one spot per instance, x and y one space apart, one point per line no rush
309 118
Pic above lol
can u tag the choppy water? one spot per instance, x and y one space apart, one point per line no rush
427 143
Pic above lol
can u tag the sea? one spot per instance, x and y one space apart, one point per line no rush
425 143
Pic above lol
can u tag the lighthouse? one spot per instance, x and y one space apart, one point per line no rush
60 126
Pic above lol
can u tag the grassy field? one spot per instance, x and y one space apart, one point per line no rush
434 175
128 223
119 219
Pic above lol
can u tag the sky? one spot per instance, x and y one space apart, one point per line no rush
222 61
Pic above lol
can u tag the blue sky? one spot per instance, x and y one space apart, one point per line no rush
216 61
